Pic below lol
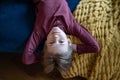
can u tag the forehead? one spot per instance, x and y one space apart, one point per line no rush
57 48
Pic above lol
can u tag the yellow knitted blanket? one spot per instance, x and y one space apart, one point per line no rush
102 19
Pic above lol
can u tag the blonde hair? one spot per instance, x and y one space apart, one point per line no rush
60 62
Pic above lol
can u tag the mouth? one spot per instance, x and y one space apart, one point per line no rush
55 32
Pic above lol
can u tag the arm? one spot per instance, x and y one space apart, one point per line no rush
30 54
30 49
89 43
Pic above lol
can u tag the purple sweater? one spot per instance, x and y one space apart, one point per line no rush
50 13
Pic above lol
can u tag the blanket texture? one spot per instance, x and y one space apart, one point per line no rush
102 19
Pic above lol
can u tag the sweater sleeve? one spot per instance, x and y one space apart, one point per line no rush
89 43
29 56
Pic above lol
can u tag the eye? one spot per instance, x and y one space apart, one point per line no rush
61 41
51 42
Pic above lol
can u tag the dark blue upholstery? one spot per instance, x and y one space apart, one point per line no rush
16 23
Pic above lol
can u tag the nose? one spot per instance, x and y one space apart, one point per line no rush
56 38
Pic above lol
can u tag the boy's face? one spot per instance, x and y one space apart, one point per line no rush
57 41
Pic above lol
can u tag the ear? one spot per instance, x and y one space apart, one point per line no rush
69 42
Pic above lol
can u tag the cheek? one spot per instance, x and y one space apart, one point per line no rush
49 38
63 37
50 49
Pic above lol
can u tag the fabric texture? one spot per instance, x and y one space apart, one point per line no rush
101 18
